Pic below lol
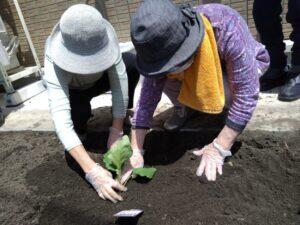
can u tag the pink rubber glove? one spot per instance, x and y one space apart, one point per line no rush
114 136
212 160
104 184
136 161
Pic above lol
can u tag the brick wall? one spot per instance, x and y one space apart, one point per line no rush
119 12
41 15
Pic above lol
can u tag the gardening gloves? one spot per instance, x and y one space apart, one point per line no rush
212 160
104 184
136 161
114 136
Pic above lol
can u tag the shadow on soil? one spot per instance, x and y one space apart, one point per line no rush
258 187
163 147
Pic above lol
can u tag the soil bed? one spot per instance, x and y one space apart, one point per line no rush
260 185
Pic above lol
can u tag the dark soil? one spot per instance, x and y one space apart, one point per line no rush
260 185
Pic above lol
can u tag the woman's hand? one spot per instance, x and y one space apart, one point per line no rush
136 161
211 162
114 136
97 176
104 184
213 155
115 132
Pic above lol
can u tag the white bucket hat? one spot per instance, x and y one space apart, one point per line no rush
83 42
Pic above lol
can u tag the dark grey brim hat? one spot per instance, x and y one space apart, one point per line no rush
173 59
76 59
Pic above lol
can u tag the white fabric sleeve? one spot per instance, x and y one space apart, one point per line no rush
119 87
58 94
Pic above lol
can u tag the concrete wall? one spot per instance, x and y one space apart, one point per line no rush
41 15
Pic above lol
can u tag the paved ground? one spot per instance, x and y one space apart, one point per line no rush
270 115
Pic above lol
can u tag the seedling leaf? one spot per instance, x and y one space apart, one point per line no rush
116 157
145 172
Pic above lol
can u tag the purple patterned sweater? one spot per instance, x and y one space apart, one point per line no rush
243 58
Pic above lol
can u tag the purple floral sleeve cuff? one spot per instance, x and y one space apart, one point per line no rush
235 126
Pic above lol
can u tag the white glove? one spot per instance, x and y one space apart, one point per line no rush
114 136
104 184
212 160
136 161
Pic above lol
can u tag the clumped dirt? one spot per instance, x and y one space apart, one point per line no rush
260 185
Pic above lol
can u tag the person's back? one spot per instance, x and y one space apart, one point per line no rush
229 26
74 81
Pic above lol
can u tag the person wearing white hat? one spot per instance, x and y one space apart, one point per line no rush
83 60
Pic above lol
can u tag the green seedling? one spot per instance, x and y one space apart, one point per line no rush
118 155
144 172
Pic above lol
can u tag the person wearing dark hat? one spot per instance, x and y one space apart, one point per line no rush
182 51
83 60
268 23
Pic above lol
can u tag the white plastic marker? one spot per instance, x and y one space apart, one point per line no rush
129 213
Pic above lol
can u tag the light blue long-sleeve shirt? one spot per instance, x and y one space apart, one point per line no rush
59 82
